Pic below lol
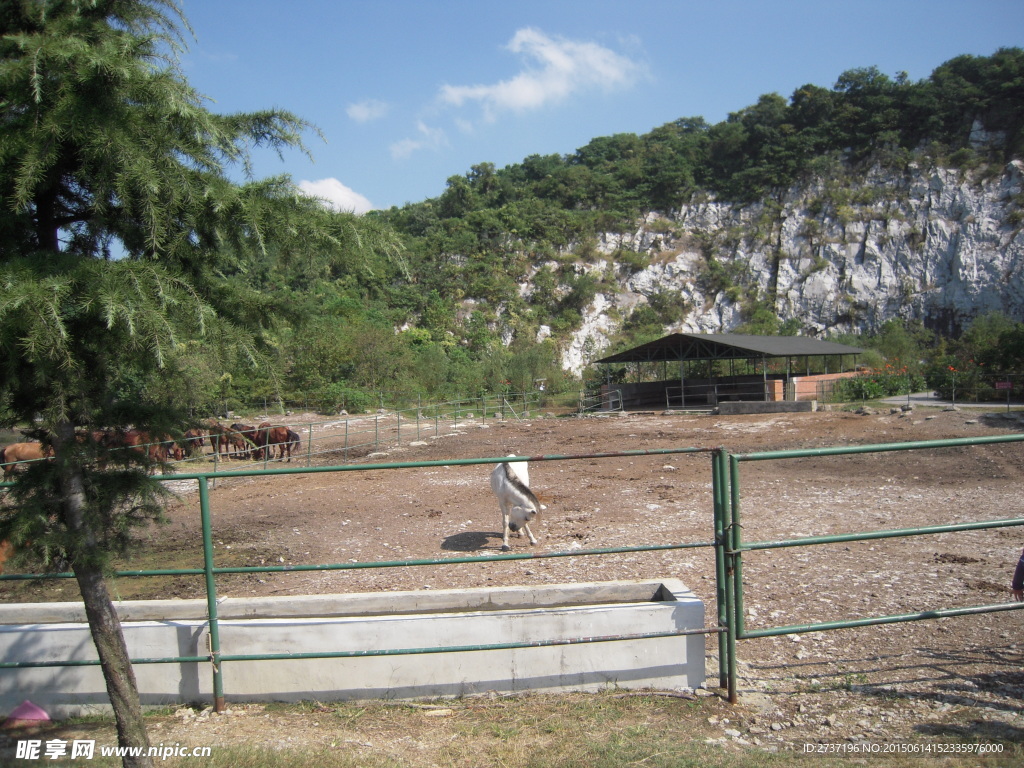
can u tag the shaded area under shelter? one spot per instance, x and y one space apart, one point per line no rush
708 368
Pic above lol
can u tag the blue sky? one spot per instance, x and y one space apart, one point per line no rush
410 92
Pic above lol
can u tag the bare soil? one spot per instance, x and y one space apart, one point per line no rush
956 677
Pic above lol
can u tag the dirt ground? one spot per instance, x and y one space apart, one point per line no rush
960 677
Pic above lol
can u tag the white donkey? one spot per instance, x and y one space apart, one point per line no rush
510 482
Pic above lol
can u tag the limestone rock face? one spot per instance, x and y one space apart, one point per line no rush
934 244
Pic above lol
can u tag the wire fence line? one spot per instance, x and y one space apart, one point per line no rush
600 401
362 435
347 436
281 407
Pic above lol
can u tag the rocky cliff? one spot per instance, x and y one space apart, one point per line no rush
935 244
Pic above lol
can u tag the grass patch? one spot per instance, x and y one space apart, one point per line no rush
157 547
605 730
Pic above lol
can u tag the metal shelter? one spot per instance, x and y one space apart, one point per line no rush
704 347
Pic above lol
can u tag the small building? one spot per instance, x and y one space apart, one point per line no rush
707 369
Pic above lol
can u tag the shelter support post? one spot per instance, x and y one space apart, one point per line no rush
682 383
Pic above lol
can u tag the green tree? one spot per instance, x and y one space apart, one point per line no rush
458 199
1008 355
118 220
379 358
985 88
904 345
671 155
993 345
981 339
869 108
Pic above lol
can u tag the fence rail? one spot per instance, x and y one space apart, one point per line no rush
697 395
210 571
727 543
281 408
369 433
363 434
728 510
610 400
997 389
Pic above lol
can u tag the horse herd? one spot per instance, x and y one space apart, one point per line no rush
237 441
241 441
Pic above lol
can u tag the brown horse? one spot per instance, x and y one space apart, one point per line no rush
194 440
220 436
270 436
140 441
294 443
15 453
243 440
6 550
170 447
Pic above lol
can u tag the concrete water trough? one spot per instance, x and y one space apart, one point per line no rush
426 620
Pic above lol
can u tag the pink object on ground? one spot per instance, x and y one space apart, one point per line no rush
26 713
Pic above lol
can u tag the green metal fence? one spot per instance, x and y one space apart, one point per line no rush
729 524
727 542
210 570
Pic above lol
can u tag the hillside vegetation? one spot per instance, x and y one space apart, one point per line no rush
484 287
500 259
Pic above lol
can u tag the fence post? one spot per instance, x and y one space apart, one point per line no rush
211 595
376 432
419 405
734 602
346 438
719 482
266 447
398 413
309 447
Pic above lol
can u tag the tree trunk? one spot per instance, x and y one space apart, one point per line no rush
116 664
46 222
104 623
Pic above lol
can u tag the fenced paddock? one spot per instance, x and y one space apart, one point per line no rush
689 490
345 437
354 436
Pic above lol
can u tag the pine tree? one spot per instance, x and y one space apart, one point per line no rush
117 216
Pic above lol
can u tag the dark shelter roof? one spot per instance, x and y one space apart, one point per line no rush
727 346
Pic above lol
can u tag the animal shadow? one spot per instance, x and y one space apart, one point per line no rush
469 541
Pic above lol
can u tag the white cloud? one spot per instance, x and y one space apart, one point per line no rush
429 138
337 195
402 149
367 110
556 69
